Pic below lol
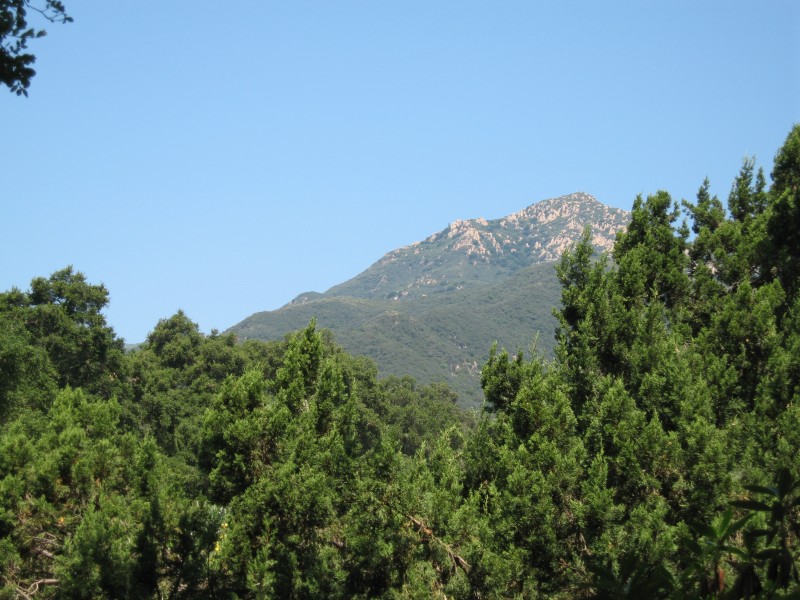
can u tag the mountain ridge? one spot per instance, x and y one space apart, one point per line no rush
535 234
433 308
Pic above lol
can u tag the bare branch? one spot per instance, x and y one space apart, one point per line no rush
34 587
427 532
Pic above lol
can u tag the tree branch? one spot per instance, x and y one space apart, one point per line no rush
34 587
427 532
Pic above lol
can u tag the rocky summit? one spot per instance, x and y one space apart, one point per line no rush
434 308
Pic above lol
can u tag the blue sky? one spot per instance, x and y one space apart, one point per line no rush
224 157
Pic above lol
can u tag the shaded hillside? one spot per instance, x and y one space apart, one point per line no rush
433 309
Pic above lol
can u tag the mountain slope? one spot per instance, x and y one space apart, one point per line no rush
481 251
433 309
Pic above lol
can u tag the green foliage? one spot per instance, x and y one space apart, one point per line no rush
62 315
651 254
432 310
501 379
632 580
175 341
175 375
26 375
655 456
296 379
780 504
781 246
417 415
15 64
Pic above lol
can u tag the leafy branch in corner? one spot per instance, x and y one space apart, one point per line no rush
15 63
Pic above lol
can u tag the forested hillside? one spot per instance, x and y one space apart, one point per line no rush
654 457
432 309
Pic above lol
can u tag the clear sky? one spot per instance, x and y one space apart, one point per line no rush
223 157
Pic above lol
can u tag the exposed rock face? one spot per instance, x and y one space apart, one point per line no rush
543 230
461 252
569 214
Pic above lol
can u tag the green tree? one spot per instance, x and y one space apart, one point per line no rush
297 376
652 254
782 245
175 341
780 503
63 315
27 378
174 376
15 33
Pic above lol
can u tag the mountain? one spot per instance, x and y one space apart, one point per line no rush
433 309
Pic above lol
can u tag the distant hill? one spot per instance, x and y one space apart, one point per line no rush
433 309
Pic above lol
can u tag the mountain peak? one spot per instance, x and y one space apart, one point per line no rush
480 250
563 206
543 230
565 218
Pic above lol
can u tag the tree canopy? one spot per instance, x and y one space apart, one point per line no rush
16 71
654 457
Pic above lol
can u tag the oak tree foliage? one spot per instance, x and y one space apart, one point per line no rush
16 31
